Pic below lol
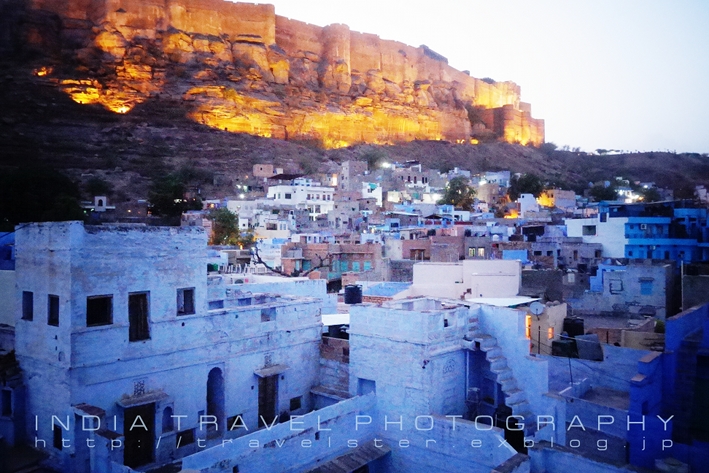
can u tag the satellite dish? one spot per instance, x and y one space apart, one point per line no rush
536 308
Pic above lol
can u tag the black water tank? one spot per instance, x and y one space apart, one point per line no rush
565 347
353 294
573 326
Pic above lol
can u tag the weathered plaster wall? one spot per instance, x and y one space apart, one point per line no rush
73 364
409 353
531 372
282 447
615 371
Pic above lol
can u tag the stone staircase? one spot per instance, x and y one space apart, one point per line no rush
515 398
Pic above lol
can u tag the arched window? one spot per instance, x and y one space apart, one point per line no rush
167 420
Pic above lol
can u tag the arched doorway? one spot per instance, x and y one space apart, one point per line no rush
215 401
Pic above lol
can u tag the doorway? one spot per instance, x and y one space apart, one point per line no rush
267 396
215 401
139 434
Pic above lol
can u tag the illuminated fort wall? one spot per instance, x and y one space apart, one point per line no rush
336 54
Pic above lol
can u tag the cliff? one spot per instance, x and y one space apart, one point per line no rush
242 68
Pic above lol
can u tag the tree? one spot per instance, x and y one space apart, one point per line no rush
374 157
525 184
651 195
225 229
459 194
32 194
548 148
98 186
322 262
600 192
167 195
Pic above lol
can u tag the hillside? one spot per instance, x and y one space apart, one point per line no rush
40 125
239 67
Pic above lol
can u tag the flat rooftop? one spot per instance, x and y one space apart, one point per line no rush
608 397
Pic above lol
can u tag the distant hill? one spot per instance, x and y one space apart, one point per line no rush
40 125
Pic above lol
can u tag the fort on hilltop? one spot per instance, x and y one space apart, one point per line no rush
242 68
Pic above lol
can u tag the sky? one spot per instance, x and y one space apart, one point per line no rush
631 75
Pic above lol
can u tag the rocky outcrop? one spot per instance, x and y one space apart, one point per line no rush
241 68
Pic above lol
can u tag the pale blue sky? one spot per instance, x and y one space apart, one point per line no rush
622 74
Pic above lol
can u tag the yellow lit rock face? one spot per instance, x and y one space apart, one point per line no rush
240 68
111 42
225 109
133 84
43 71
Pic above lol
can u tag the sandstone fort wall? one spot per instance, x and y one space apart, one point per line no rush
291 51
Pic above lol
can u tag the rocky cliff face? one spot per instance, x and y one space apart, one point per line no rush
241 68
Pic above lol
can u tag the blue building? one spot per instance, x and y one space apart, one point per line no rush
669 393
675 230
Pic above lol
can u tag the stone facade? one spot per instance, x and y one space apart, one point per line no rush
252 71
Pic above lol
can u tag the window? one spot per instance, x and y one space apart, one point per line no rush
481 252
57 437
168 422
471 251
528 327
295 403
185 301
646 287
615 286
6 403
550 333
53 310
537 253
343 266
367 266
215 305
268 315
588 230
99 310
27 305
355 266
288 195
138 315
597 253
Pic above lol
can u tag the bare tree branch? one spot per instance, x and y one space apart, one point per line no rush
323 263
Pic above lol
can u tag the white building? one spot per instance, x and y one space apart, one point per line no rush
121 325
527 204
304 193
467 279
608 231
372 190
